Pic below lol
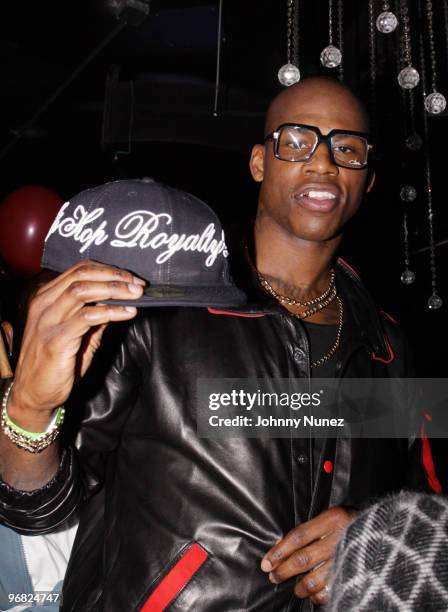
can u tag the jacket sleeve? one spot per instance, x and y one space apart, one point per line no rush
97 412
420 474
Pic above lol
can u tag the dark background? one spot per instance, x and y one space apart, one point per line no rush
144 107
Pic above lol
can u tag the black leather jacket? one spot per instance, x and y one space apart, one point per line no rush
151 492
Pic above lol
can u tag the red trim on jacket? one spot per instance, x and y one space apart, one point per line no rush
234 314
428 463
388 316
178 576
391 353
347 265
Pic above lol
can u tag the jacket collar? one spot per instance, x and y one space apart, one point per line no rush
362 325
362 321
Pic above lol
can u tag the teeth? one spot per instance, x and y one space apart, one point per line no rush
320 195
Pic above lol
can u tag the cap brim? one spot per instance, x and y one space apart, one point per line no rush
195 297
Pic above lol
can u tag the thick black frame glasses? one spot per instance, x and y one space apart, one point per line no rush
328 138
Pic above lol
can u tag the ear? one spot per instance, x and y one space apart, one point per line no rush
371 181
256 163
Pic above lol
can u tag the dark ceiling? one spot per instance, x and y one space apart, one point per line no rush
144 105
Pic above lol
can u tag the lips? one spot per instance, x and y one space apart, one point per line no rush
318 197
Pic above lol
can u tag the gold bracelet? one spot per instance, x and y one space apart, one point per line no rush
33 442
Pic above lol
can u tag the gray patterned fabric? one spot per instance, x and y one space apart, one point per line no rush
394 557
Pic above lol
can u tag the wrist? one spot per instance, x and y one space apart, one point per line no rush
29 439
27 416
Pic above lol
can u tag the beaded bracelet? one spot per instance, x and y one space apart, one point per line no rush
33 442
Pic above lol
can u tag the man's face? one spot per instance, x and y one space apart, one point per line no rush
310 200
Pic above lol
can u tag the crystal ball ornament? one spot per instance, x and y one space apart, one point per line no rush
435 302
408 277
331 57
414 142
408 78
386 22
435 103
288 75
408 193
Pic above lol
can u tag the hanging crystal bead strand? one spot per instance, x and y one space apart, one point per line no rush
295 33
435 301
408 193
445 19
435 102
386 21
289 73
372 65
331 56
408 277
414 141
408 77
341 38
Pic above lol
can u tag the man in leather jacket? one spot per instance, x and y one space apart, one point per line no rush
169 520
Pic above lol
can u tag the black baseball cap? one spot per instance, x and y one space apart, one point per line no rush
168 237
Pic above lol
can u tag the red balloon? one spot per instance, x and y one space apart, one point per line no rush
26 215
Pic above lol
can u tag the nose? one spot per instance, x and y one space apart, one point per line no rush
320 162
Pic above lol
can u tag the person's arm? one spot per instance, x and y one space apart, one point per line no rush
18 468
64 328
420 472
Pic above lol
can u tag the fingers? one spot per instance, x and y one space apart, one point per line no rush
305 559
106 313
322 597
93 337
95 270
309 550
58 343
79 293
90 344
332 519
87 282
88 317
82 272
314 583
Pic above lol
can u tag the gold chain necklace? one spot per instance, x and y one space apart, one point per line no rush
317 307
321 302
329 354
285 299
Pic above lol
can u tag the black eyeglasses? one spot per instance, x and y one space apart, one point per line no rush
297 142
